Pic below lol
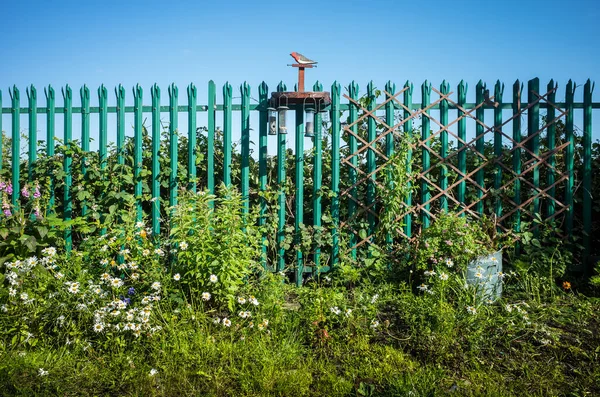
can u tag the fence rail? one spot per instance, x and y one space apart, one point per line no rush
347 170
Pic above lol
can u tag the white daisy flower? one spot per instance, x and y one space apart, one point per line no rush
213 278
74 288
206 296
98 327
176 277
116 282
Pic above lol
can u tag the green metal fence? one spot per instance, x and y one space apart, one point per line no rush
347 146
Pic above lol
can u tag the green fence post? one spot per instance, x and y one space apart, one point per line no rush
263 98
192 100
425 133
533 125
335 171
408 131
588 88
498 92
462 150
551 145
479 145
245 174
517 91
299 181
155 93
120 94
32 97
390 88
281 162
227 134
210 155
50 97
15 97
84 94
352 173
371 160
569 137
173 143
68 137
102 98
444 90
317 175
137 149
1 134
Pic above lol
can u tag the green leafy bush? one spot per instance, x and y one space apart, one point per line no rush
25 230
545 253
452 241
216 244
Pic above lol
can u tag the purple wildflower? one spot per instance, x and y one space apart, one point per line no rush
131 291
37 194
6 209
25 192
9 189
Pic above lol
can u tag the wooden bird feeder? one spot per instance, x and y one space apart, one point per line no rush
301 98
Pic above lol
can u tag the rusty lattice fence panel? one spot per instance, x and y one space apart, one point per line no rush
493 173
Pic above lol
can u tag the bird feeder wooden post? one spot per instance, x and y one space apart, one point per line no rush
301 75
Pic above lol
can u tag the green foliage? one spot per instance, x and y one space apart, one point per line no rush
545 253
451 240
595 279
24 229
216 244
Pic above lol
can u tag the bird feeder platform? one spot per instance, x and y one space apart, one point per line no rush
317 99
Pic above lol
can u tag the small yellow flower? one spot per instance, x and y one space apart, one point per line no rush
566 285
143 233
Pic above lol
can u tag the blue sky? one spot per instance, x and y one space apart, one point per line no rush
131 42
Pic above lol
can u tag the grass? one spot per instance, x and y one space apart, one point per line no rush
422 346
